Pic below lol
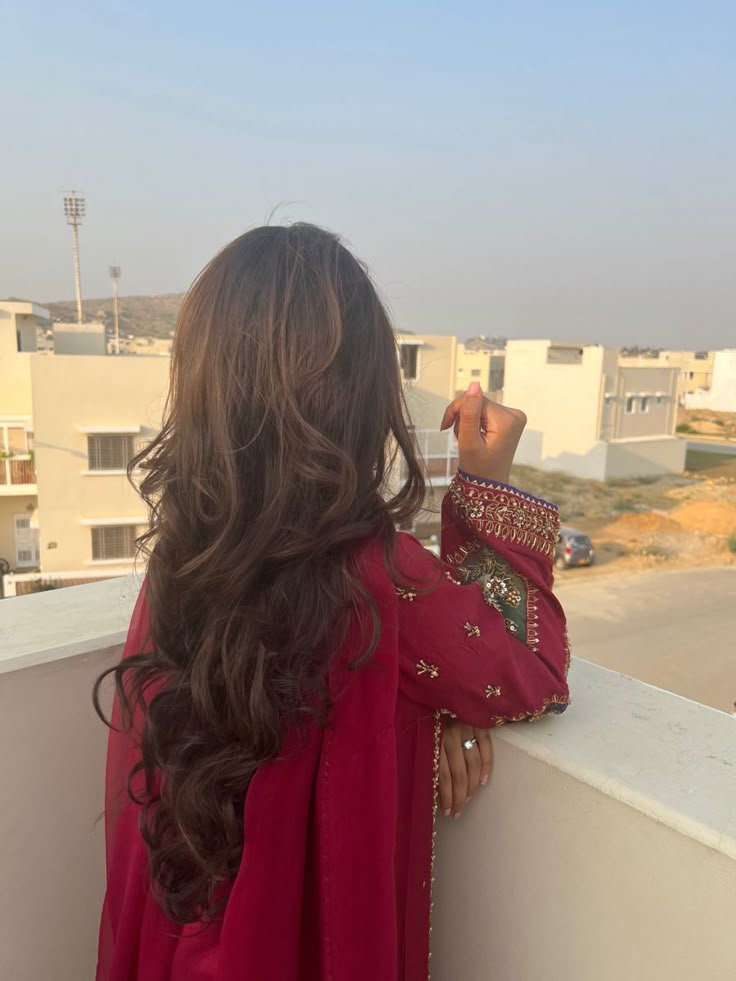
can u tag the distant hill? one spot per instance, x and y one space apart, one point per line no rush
141 316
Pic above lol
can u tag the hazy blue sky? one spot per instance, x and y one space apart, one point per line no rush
523 168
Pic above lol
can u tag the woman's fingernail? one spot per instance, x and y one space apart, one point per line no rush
483 781
456 816
473 389
446 812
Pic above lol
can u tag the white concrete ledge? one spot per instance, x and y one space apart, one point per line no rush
62 623
604 847
669 758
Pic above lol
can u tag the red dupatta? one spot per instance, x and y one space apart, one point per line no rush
313 898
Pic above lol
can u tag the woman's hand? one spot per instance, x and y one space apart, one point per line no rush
462 770
487 434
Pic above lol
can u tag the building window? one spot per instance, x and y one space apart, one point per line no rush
630 405
109 452
645 401
17 440
475 372
409 354
497 371
113 542
564 354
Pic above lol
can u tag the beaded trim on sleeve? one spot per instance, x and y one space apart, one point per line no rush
532 618
435 805
507 514
554 705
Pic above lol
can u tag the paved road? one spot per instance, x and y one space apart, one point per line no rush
675 630
706 446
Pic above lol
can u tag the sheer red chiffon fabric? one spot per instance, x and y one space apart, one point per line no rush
335 879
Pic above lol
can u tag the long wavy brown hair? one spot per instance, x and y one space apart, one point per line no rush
285 420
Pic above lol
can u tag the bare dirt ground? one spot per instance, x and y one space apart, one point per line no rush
704 422
673 522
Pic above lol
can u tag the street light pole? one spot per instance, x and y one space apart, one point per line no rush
74 209
115 276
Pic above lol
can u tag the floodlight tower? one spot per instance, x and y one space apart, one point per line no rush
74 209
115 276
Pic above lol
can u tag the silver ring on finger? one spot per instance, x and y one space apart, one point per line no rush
470 744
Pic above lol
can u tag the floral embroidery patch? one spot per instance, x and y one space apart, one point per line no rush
502 588
429 669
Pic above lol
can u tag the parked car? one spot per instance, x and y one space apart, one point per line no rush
573 548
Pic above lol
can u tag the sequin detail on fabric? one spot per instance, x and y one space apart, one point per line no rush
502 588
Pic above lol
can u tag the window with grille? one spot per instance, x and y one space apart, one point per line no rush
113 542
645 400
109 452
630 405
23 554
409 361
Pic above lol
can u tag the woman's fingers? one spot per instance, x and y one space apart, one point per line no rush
487 433
462 771
458 771
485 749
444 789
472 762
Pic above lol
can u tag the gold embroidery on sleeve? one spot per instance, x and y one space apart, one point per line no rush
492 691
429 669
406 594
555 704
506 513
471 629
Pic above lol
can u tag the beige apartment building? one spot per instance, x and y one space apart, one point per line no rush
484 365
69 423
591 416
695 368
429 365
19 324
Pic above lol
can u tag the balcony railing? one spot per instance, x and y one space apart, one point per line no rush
604 847
439 454
17 470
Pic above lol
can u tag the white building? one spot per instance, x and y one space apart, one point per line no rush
590 416
721 397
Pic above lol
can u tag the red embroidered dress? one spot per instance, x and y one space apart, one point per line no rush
335 879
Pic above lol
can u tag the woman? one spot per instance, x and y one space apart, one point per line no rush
292 659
